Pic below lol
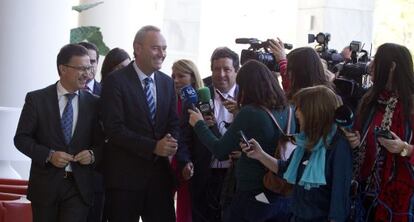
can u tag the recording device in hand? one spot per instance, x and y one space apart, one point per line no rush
344 117
220 95
189 97
244 138
384 133
205 104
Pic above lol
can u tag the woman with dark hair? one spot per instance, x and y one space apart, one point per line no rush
115 59
383 157
321 166
258 88
302 68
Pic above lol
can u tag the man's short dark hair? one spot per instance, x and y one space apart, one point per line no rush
90 46
67 52
224 52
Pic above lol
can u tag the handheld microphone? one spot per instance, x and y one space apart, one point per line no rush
189 97
205 104
344 117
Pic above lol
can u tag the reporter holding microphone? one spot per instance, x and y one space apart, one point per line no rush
258 87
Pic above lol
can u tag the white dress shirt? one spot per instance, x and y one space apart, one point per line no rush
63 100
141 77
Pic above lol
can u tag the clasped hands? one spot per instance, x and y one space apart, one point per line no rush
61 159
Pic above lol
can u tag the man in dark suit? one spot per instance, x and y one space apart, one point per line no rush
57 130
209 173
140 121
92 85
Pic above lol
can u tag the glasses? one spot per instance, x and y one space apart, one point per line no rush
81 68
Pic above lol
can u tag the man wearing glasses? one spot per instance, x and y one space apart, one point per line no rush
57 129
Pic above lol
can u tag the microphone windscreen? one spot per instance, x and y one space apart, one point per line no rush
204 94
188 95
344 116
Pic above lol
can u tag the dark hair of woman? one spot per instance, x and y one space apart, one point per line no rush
402 81
112 59
259 86
305 69
317 105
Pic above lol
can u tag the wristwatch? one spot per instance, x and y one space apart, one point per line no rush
404 151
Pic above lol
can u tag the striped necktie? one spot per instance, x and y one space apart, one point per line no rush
67 118
150 97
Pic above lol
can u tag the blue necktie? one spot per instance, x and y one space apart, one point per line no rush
150 98
67 118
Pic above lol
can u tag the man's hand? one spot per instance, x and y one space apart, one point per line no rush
60 159
277 48
231 106
188 171
167 146
84 157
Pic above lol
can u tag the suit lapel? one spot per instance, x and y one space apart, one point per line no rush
55 112
82 114
161 100
136 87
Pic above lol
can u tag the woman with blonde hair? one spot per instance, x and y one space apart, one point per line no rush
184 73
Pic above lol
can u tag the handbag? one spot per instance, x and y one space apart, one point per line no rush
285 146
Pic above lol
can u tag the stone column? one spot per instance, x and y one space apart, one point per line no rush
344 20
32 34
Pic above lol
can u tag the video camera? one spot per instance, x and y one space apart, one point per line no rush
353 79
331 56
258 50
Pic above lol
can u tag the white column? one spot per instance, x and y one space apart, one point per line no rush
119 20
344 20
32 34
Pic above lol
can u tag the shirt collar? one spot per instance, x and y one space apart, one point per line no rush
61 91
91 84
141 74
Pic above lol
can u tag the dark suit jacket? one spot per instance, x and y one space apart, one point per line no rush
97 88
39 130
191 149
128 156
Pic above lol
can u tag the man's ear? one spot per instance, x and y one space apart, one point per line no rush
62 69
137 48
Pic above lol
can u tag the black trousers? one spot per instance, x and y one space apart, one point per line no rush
155 203
205 196
69 207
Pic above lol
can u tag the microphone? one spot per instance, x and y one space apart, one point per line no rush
189 96
205 105
344 117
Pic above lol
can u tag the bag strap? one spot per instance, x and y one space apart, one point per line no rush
275 121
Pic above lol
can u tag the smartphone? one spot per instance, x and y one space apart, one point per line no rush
244 138
383 133
220 95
